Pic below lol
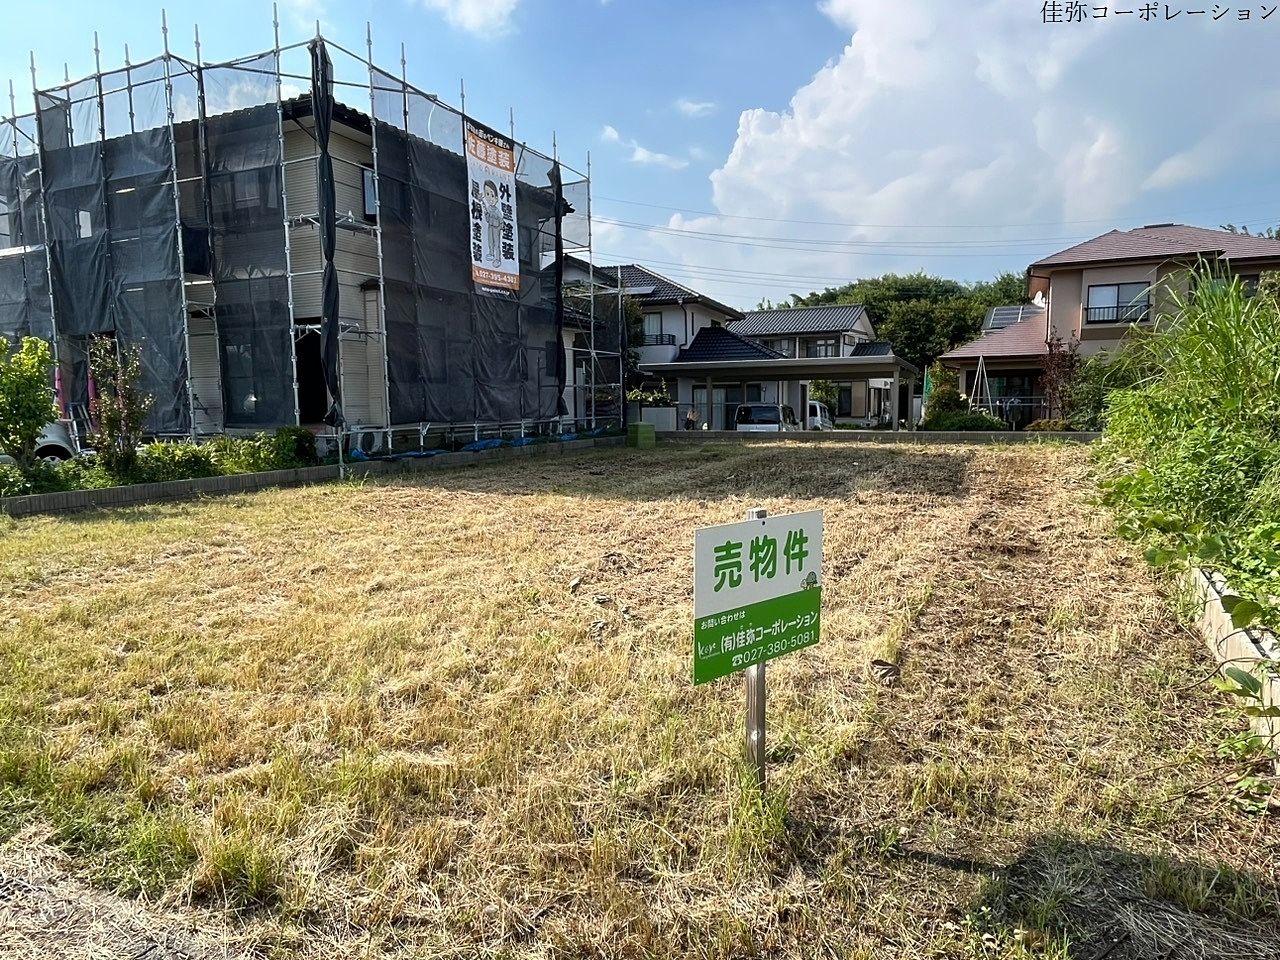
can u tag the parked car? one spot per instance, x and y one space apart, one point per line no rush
55 445
820 416
765 418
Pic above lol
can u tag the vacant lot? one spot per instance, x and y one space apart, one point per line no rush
453 717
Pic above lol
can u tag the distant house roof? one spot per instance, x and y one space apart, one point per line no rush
713 344
797 320
647 287
1164 240
1025 340
1000 317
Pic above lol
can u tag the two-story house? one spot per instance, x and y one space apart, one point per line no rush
772 356
1093 294
842 330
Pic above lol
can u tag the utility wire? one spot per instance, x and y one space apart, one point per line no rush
1216 211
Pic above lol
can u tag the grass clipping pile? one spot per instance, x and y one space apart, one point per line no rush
454 717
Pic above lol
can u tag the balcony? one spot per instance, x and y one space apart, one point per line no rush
658 340
1138 312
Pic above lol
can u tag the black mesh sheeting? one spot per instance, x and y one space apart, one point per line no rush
112 226
330 329
247 242
453 355
24 275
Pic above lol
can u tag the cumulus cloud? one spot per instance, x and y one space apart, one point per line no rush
475 16
695 108
949 131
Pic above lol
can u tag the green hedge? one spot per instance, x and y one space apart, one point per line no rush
286 449
959 420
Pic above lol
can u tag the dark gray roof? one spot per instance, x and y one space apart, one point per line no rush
1000 317
647 287
796 320
713 344
1164 240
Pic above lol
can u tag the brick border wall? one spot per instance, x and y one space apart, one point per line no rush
74 500
876 436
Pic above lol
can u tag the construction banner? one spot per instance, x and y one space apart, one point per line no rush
495 245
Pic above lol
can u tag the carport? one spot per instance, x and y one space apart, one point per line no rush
790 376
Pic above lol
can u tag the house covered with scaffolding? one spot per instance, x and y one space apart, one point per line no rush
299 238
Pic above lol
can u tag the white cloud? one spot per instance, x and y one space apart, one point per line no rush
475 16
654 159
303 14
962 115
695 108
642 155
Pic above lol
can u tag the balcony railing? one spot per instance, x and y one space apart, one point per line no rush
1128 313
659 340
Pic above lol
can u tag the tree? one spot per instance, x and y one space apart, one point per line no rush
824 391
1057 381
26 400
1270 233
121 407
921 315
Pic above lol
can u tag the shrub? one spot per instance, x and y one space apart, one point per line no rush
159 462
946 399
286 449
26 400
13 482
1047 426
1191 449
121 407
971 420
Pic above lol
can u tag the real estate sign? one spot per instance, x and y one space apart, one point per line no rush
495 243
757 592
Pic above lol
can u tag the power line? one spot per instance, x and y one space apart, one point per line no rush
920 226
678 232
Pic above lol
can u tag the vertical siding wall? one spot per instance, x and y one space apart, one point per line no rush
356 258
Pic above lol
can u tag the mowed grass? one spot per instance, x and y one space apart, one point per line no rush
453 716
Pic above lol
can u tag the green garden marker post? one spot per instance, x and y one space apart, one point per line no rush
753 678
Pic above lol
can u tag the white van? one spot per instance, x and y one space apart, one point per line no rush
820 416
765 418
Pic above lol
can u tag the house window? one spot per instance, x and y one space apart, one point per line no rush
844 400
370 196
1118 303
826 347
653 335
84 224
783 346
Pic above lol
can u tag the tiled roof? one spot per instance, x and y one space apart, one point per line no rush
645 286
1000 317
794 320
713 344
1160 241
1025 339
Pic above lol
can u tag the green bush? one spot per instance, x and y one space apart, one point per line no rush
1047 426
158 462
286 449
945 399
26 397
13 481
1191 450
971 420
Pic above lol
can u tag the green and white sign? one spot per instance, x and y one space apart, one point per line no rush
757 592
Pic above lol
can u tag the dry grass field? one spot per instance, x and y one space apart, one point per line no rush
452 716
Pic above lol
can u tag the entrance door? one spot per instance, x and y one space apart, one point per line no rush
313 396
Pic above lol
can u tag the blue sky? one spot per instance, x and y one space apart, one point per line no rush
757 148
